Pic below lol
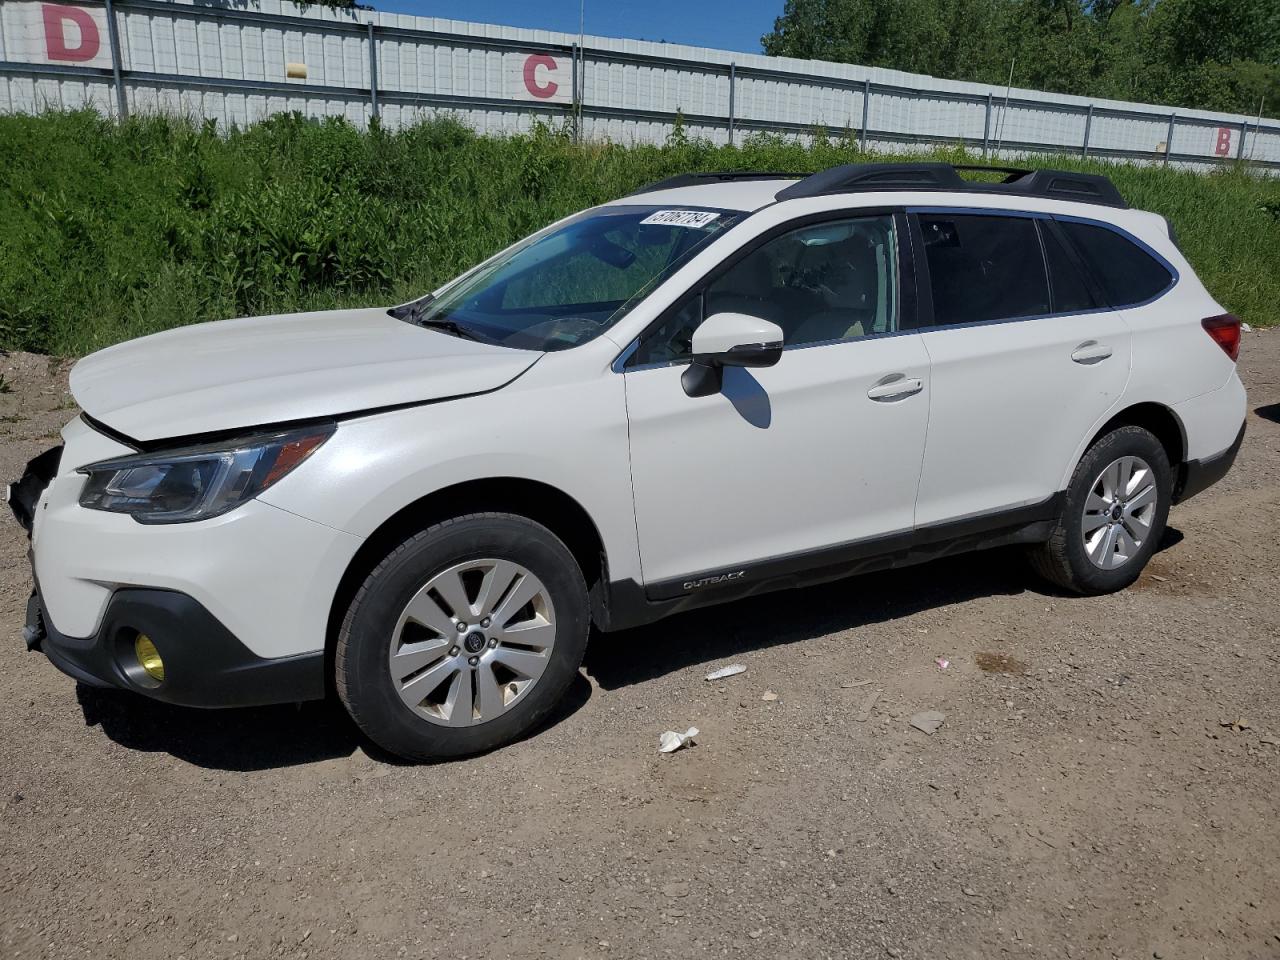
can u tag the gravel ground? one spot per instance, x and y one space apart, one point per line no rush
1082 799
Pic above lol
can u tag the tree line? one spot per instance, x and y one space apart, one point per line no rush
1207 54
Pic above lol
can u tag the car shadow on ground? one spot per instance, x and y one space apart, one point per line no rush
794 616
253 738
1270 411
243 739
261 738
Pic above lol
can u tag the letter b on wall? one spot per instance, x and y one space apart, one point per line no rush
1223 145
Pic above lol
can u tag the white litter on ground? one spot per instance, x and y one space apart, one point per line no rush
928 722
671 741
732 670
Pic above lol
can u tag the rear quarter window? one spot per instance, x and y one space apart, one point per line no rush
1126 273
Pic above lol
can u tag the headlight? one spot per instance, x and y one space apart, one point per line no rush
198 482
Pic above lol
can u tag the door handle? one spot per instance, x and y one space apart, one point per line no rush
1091 351
895 387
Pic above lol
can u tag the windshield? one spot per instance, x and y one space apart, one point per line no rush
565 287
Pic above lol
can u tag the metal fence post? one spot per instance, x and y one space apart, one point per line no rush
1168 138
373 72
733 79
986 129
582 88
1088 126
113 38
866 110
573 83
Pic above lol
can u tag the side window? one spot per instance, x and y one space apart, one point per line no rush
828 281
1070 292
984 268
673 338
835 280
1127 273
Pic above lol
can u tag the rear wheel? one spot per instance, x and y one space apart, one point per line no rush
1114 515
463 638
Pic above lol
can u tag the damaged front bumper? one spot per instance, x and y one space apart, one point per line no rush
23 497
205 664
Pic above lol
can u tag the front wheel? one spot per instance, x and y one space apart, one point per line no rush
1113 517
463 638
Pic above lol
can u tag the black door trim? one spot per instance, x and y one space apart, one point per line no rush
629 604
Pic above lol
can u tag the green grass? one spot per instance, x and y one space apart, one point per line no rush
113 231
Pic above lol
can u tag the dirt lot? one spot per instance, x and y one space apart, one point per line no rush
1082 799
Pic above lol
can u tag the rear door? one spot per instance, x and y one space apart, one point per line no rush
1025 361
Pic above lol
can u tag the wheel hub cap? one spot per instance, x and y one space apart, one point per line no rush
1118 512
453 673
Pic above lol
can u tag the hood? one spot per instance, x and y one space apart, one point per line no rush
263 370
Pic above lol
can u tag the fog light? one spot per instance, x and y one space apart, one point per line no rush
148 657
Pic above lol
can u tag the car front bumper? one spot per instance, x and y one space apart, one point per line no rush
204 664
238 606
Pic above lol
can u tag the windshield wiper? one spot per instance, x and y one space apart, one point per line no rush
448 326
414 313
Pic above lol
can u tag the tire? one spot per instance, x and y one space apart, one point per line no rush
424 690
1089 565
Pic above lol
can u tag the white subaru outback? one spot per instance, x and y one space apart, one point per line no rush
720 385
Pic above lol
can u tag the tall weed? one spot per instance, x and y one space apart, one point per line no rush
110 231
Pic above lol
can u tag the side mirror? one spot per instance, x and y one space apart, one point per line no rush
729 340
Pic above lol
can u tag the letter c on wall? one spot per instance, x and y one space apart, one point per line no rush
55 37
540 90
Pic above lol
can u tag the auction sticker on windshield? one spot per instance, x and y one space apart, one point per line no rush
681 218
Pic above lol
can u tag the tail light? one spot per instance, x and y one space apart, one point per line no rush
1225 330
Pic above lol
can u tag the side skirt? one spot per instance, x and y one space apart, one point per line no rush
630 604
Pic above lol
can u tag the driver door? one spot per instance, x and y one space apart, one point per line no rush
789 464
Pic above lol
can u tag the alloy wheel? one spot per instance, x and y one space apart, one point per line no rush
1118 512
472 642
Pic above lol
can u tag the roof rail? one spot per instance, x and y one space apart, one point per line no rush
867 177
728 176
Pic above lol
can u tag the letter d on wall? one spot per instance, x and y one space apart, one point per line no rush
58 40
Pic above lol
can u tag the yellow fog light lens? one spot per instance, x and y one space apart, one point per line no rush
148 657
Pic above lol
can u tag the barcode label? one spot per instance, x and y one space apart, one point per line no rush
681 218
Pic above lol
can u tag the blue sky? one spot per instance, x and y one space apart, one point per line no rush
726 24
